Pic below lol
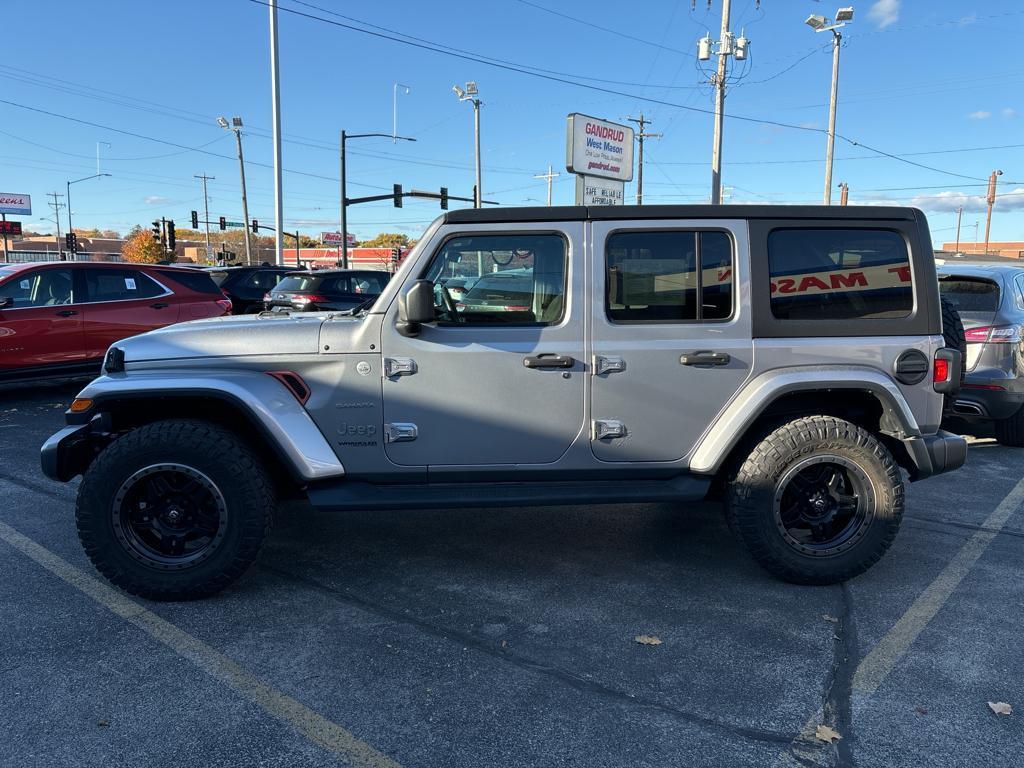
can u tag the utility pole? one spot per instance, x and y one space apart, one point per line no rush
844 193
819 23
56 205
716 148
236 126
275 88
991 198
642 121
959 214
550 176
206 211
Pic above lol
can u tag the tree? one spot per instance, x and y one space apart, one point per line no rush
387 240
141 248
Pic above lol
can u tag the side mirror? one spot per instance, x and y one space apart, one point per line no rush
415 308
6 301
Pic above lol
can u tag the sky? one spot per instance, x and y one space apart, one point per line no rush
935 83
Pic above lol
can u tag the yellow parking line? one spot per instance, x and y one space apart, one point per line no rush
877 665
879 662
311 725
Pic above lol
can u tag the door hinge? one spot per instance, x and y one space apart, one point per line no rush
608 364
608 428
399 366
400 432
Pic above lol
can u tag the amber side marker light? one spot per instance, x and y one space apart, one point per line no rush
80 405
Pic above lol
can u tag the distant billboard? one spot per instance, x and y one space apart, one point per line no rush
14 203
334 238
598 148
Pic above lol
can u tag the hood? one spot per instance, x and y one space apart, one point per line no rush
231 336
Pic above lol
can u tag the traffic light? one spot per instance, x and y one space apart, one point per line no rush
157 237
398 195
444 198
195 219
71 242
223 223
255 227
170 236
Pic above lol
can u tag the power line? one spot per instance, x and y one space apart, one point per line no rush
447 51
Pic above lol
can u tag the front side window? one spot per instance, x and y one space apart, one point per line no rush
42 288
120 285
679 276
500 279
839 274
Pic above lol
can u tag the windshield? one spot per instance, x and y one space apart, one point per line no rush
299 283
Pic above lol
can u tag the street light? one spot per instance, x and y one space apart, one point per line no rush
394 109
819 23
344 192
68 198
470 93
236 126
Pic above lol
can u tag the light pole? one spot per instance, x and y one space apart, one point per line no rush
820 24
68 196
344 137
991 199
236 126
394 109
275 90
959 215
471 93
206 214
105 144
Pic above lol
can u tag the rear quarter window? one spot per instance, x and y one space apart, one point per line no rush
970 294
195 280
839 274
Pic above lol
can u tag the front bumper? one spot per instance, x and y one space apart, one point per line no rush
935 454
70 451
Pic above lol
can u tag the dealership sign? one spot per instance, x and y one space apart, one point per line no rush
334 238
19 205
599 148
594 191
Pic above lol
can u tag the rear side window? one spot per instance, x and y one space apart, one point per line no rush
839 274
668 277
970 294
120 285
195 280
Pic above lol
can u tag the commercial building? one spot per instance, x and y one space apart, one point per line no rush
1009 249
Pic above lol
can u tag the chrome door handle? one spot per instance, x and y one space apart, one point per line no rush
549 361
705 358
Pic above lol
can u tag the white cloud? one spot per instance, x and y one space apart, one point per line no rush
1008 112
949 201
157 200
885 12
981 114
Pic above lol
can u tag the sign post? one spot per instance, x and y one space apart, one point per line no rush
18 205
600 153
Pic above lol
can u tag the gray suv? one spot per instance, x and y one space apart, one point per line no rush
790 360
990 300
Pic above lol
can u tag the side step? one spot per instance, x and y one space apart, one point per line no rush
358 494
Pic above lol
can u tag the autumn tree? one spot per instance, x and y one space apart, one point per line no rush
387 240
141 248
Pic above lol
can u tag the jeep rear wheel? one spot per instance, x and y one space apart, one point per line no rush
174 510
817 501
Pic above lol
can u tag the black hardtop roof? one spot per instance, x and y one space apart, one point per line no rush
619 212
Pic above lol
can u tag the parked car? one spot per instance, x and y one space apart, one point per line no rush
790 358
990 299
325 289
59 318
508 292
246 286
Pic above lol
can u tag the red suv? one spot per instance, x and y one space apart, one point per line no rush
58 318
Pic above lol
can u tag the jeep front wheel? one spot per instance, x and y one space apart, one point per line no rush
817 501
174 510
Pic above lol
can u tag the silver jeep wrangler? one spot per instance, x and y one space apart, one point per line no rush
789 359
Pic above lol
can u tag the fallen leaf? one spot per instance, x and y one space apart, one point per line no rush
504 643
824 733
648 640
103 723
1000 707
921 710
833 619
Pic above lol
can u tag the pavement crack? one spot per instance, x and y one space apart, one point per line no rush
564 676
837 707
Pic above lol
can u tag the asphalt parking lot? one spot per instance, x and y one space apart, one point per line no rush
507 638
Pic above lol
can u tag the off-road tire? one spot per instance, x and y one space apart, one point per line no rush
954 337
751 498
1010 431
221 456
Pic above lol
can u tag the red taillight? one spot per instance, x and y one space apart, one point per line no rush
307 298
516 308
940 371
224 304
993 334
